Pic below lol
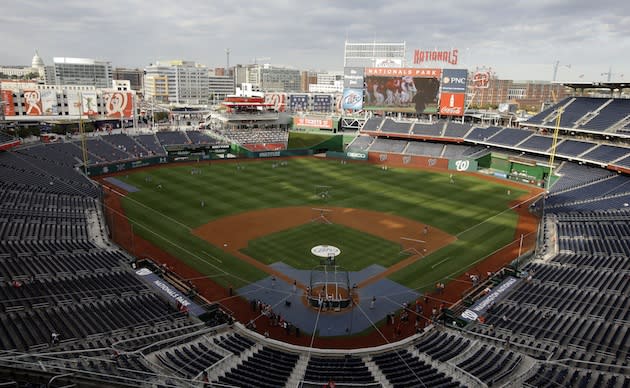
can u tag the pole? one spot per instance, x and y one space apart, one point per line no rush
326 280
554 145
82 132
135 116
520 246
133 247
336 284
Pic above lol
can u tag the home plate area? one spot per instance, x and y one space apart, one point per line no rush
292 305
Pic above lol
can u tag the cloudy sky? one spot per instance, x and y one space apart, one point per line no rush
517 39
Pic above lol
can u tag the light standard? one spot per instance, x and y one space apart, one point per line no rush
609 74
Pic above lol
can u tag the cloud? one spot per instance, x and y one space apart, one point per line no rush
311 34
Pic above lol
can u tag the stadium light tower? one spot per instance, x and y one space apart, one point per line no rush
227 54
609 74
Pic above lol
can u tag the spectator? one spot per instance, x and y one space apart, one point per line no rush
204 379
54 338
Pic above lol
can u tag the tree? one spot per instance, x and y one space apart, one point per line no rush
160 116
31 75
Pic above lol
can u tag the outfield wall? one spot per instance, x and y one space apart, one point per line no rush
398 160
517 170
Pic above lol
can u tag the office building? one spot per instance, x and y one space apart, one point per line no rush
80 71
177 82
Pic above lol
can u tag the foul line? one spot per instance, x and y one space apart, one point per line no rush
436 264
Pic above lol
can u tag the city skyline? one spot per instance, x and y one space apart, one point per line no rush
588 40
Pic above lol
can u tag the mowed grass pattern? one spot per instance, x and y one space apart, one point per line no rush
293 247
472 209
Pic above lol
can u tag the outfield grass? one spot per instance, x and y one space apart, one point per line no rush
293 247
306 139
472 209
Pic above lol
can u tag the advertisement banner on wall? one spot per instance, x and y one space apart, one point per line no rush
278 101
49 102
352 99
7 98
89 103
481 79
74 103
32 103
498 293
452 104
454 80
407 90
353 77
462 164
170 292
118 104
338 99
313 122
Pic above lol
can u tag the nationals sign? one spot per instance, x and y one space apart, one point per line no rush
118 104
446 56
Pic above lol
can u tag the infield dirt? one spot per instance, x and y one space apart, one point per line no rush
527 224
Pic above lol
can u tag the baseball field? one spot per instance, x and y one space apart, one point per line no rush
229 220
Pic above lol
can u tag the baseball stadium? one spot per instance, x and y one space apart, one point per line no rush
385 250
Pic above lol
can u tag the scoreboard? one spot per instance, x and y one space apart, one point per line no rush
322 103
298 102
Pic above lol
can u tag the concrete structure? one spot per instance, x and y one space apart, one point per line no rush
240 74
37 67
80 71
529 95
277 79
327 82
308 78
134 76
375 54
219 85
121 85
329 77
337 87
269 78
177 82
34 102
15 71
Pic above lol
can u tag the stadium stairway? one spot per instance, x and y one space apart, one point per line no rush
457 374
298 372
377 372
234 362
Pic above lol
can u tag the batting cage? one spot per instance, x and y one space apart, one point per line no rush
329 287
